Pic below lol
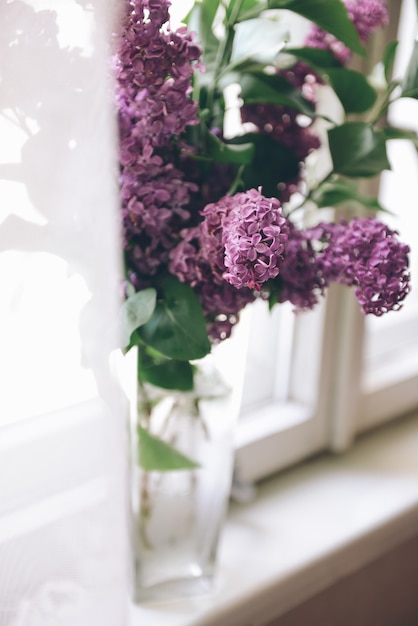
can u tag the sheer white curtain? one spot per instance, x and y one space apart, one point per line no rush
63 453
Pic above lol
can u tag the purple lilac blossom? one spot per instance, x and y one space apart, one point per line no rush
254 237
301 280
199 261
218 178
366 15
237 247
365 254
153 67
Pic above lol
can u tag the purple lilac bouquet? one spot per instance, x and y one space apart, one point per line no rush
209 217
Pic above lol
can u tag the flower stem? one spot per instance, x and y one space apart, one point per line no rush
222 52
386 102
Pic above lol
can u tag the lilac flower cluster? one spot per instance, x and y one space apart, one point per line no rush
237 247
367 16
254 237
231 248
153 67
365 254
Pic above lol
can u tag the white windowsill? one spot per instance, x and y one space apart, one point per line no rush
306 529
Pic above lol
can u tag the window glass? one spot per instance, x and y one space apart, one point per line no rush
391 342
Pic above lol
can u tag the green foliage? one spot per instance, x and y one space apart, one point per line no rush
331 15
258 87
352 89
217 150
358 149
315 57
200 20
254 40
159 456
400 133
240 10
410 83
177 327
163 372
273 163
336 192
388 59
136 311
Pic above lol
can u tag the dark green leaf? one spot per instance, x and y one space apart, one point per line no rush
136 311
239 10
272 89
273 298
358 149
330 15
314 56
177 327
331 194
352 89
163 372
401 133
273 164
388 58
159 456
410 83
221 152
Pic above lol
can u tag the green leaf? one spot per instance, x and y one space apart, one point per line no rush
200 21
352 89
410 82
247 9
163 372
358 149
400 133
273 297
177 327
273 164
330 15
156 455
331 194
221 152
314 56
388 59
259 40
272 89
136 311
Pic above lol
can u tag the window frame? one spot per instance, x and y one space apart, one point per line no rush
330 400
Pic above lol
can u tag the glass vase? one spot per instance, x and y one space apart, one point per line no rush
177 515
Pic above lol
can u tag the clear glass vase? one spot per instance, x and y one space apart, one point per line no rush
177 515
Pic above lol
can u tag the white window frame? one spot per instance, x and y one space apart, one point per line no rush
285 427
